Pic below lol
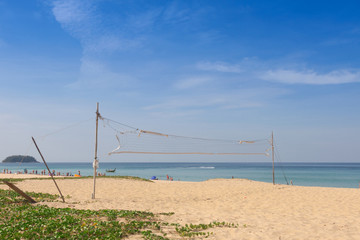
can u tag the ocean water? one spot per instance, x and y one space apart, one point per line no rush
345 175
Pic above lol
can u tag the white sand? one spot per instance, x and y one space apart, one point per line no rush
262 210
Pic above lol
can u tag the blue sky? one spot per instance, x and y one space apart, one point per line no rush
217 69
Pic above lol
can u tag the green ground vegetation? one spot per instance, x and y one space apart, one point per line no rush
21 220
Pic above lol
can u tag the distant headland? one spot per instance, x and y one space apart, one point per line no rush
20 158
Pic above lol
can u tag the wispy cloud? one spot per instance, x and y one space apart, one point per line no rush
209 36
219 67
182 102
235 99
76 16
111 43
95 74
255 69
174 14
69 12
192 82
347 37
196 104
97 34
340 41
311 77
81 20
144 20
84 22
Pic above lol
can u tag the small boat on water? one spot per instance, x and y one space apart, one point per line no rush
111 170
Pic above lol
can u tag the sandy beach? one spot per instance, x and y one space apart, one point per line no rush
262 210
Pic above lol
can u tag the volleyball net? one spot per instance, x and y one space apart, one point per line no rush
131 140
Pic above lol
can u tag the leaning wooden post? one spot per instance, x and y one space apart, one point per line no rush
16 189
96 162
48 169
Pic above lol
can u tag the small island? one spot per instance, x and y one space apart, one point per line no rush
20 158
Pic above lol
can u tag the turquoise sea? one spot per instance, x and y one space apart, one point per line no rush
346 175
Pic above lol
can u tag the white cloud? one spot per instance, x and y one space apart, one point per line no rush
70 11
83 20
75 16
311 77
220 67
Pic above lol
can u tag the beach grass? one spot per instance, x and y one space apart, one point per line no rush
12 180
21 220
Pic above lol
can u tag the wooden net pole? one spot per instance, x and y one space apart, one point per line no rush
95 163
273 164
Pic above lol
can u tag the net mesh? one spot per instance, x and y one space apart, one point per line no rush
132 140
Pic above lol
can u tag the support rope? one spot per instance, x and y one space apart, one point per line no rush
277 155
65 128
